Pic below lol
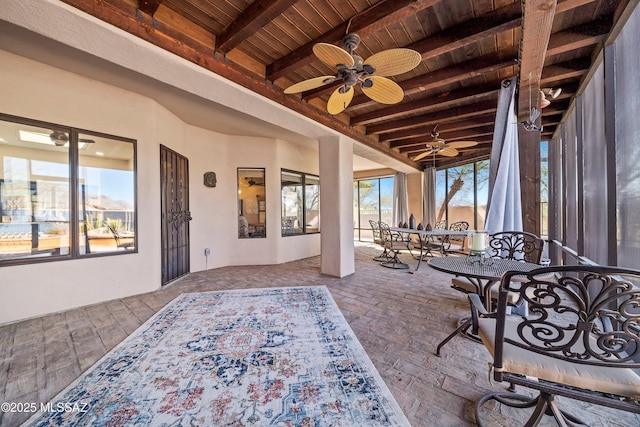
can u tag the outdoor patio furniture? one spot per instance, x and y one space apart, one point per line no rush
433 242
510 245
516 245
288 223
118 238
394 243
483 276
581 340
454 243
377 239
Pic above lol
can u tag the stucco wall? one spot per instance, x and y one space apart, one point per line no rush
37 91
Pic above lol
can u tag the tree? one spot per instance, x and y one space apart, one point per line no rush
460 175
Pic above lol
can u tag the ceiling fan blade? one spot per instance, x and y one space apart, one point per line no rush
462 144
332 55
383 90
394 61
422 155
449 152
338 101
307 84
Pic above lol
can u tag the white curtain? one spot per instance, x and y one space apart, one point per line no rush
400 199
505 207
429 196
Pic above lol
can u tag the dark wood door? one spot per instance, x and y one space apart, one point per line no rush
174 183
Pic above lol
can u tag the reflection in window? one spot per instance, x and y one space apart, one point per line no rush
251 203
300 195
36 222
106 214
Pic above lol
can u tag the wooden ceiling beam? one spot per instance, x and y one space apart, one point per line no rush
473 156
579 37
252 19
365 23
572 69
149 6
536 32
442 116
452 99
483 148
482 120
410 143
471 31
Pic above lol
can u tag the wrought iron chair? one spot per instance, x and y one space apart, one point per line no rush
377 239
455 243
516 245
393 244
581 339
118 239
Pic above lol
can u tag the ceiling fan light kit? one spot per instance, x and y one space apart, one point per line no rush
371 74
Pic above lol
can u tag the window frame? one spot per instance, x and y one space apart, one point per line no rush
303 184
74 216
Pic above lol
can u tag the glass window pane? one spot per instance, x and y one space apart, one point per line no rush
106 195
544 189
291 193
482 197
34 192
369 201
441 195
386 200
251 203
356 218
312 203
461 194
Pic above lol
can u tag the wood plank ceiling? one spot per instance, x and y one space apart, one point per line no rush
467 48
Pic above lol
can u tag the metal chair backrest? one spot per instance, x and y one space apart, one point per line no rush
518 245
385 233
375 229
586 315
459 226
441 225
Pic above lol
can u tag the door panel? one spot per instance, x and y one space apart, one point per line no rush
174 188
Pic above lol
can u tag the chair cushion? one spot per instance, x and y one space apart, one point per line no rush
465 285
619 381
396 245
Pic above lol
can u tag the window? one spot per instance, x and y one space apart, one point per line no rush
462 194
373 200
40 166
252 205
544 189
300 195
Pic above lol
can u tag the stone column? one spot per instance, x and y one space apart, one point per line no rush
337 257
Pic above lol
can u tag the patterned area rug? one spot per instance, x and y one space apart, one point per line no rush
259 357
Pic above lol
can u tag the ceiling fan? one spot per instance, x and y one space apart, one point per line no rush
60 139
439 146
251 181
352 69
